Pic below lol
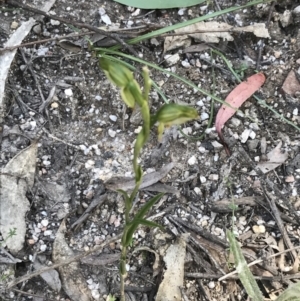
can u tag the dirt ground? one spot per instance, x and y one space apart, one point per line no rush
58 102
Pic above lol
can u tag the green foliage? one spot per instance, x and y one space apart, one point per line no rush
168 115
160 4
292 293
243 270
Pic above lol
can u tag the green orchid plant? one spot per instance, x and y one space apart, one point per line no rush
167 115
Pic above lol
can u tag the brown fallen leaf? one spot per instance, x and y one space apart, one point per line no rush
235 99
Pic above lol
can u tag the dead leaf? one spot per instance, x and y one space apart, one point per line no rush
210 32
72 280
16 179
235 99
169 289
275 158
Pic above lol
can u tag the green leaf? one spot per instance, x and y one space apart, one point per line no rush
292 293
147 206
243 270
134 225
160 4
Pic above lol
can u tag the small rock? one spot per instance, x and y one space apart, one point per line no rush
89 164
113 118
136 12
204 116
44 222
211 285
192 160
172 59
235 122
43 248
185 64
245 135
14 25
289 179
111 133
47 232
181 11
217 145
54 105
202 179
213 177
259 229
200 103
295 111
197 190
286 18
69 92
54 22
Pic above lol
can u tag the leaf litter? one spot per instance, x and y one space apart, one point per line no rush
16 179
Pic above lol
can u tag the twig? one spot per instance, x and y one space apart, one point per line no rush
236 277
45 41
63 263
114 36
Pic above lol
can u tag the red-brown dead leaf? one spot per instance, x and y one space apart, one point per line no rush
235 99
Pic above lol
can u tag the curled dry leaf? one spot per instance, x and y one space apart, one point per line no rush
235 99
72 280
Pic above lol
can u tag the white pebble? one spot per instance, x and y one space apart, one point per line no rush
213 177
113 118
202 179
181 11
217 145
211 285
98 97
69 92
295 112
89 164
201 149
204 116
200 103
54 22
197 190
44 222
43 248
192 160
252 135
185 64
111 133
47 232
245 135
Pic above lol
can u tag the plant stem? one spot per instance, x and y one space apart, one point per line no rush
123 273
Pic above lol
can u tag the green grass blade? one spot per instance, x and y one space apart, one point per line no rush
243 270
292 293
134 225
160 4
147 206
